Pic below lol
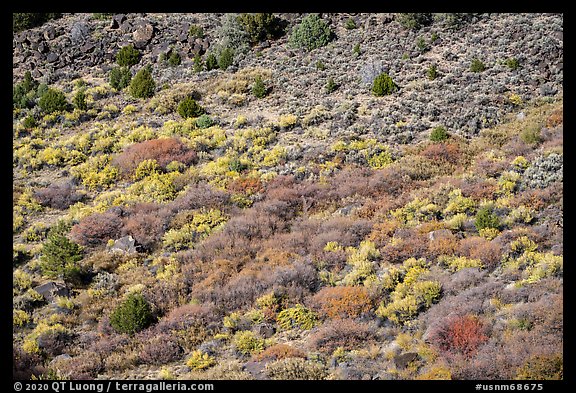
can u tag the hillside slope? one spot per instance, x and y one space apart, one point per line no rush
309 229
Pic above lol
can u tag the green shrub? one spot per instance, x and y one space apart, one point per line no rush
60 256
120 77
143 85
211 62
53 101
102 15
477 65
27 20
296 317
438 134
261 26
226 58
383 85
188 107
531 134
79 100
198 63
259 89
174 59
132 315
204 121
29 122
432 72
331 86
313 32
248 343
485 218
421 44
320 65
127 56
196 31
350 24
414 21
24 92
512 63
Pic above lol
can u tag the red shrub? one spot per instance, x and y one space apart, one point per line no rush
164 151
97 229
476 247
342 302
280 351
448 152
146 223
246 185
459 334
411 244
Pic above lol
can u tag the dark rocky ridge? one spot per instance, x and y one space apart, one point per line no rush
463 101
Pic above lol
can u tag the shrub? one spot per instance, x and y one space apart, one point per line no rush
459 334
383 85
296 317
160 349
23 92
296 369
200 360
342 302
438 134
120 77
477 65
259 90
432 72
196 31
485 218
204 121
188 107
79 100
211 62
247 342
414 21
127 56
97 229
261 26
58 196
27 20
163 151
313 32
143 85
512 63
544 171
174 59
198 63
531 134
542 367
345 333
53 101
60 256
132 315
331 86
226 58
280 351
350 24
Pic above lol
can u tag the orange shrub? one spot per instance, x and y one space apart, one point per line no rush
448 152
342 302
280 351
460 334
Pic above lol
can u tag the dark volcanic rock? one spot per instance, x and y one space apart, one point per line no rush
79 32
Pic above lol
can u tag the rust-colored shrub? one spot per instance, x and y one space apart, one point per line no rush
448 152
246 185
280 351
477 247
342 302
146 223
164 151
460 334
555 118
345 333
409 244
97 229
443 245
